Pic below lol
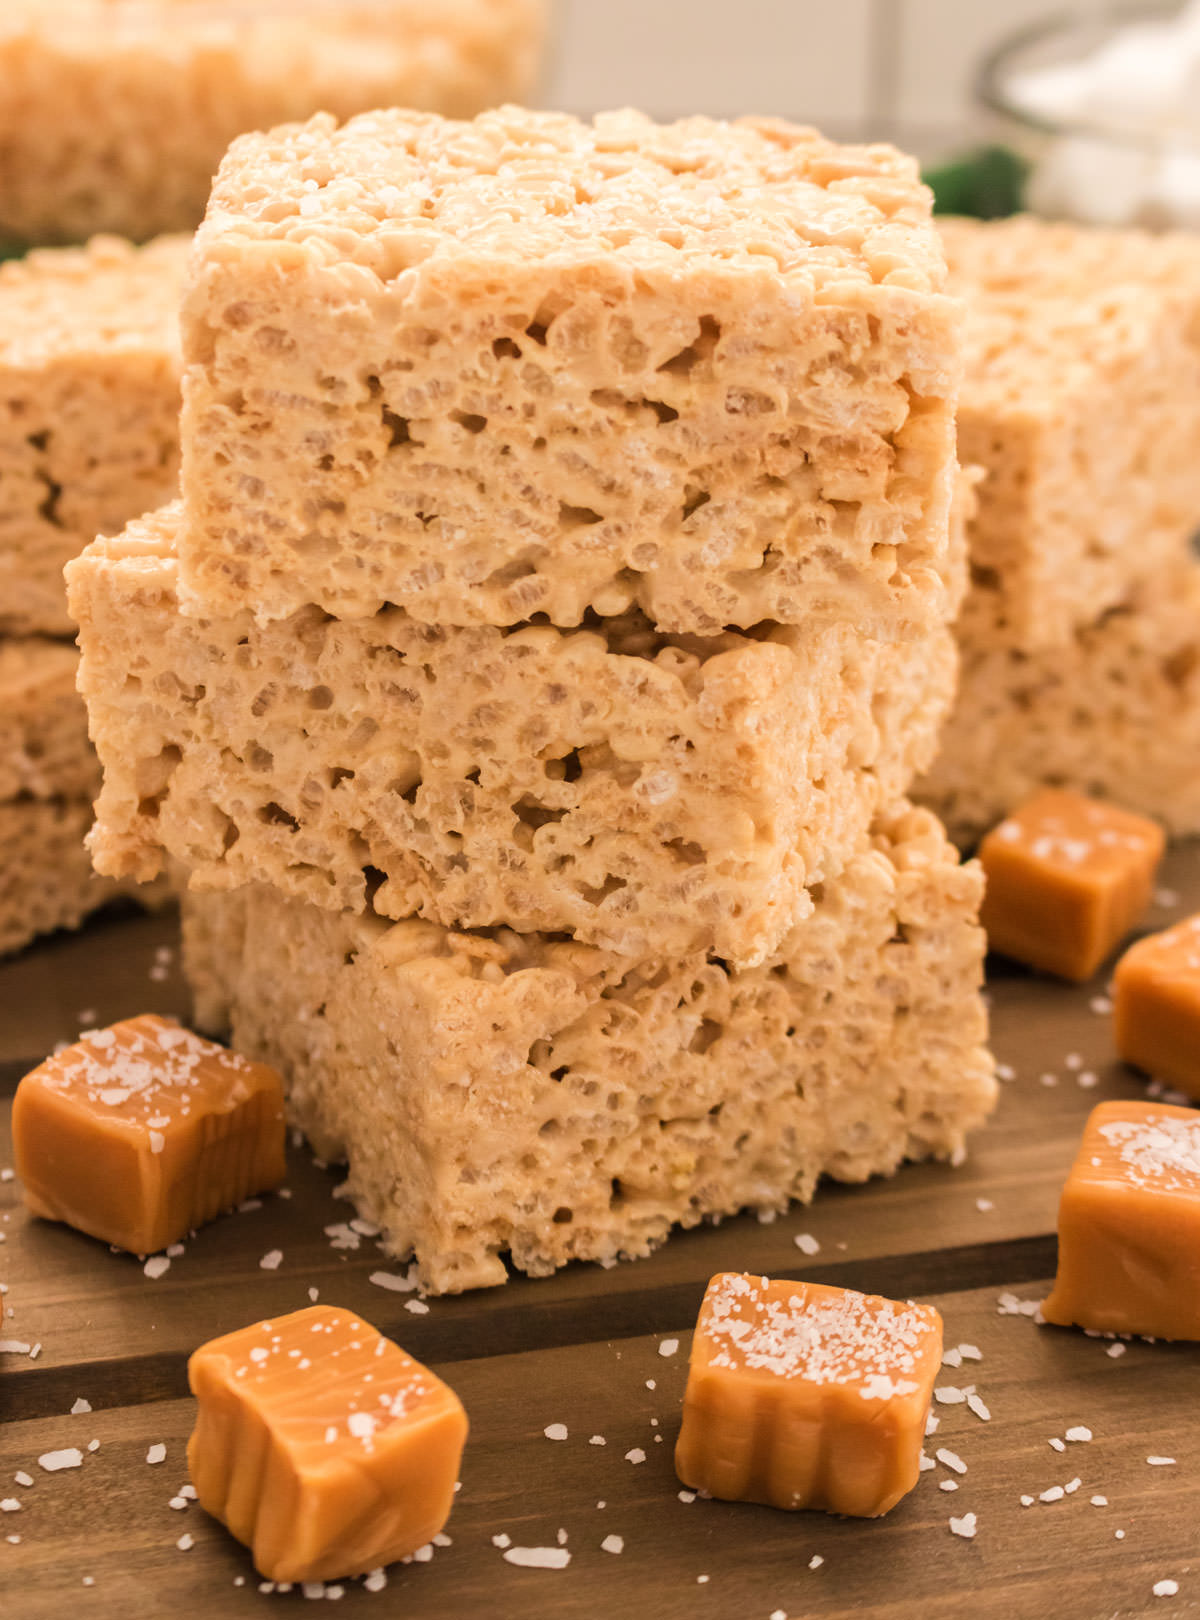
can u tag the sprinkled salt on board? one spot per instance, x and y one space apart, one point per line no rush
538 1557
54 1461
555 1431
964 1527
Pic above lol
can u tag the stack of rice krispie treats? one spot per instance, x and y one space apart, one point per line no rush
532 674
89 408
1080 634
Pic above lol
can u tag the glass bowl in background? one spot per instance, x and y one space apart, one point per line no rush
114 114
1106 110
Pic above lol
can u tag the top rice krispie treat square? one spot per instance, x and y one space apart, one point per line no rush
527 365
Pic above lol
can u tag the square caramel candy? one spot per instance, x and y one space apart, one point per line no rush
1129 1225
138 1133
1067 878
1156 1005
321 1445
804 1396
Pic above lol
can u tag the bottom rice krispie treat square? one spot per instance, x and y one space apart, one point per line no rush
1113 713
44 747
501 1093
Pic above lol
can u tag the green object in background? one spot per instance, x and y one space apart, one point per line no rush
988 183
10 250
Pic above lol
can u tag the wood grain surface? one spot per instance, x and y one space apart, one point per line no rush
582 1349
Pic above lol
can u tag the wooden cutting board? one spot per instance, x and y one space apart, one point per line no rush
589 1349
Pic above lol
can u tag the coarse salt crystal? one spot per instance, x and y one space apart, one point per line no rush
948 1485
538 1557
686 1496
597 1440
157 1266
9 1504
54 1461
1027 1501
1165 1588
949 1395
950 1459
1054 1494
1099 1501
1115 1350
271 1260
22 1478
613 1544
390 1281
555 1431
668 1347
1079 1434
981 1411
1161 1462
637 1455
963 1527
186 1542
1059 1445
418 1307
376 1580
806 1243
80 1406
815 1561
502 1540
157 1453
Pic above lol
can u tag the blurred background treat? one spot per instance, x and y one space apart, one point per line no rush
115 113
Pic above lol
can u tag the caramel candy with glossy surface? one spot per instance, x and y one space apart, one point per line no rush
321 1445
1067 878
138 1133
1129 1225
1156 1005
804 1396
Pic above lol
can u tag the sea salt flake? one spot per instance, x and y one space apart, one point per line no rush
597 1440
157 1453
1161 1462
686 1496
613 1544
502 1540
54 1461
376 1580
1059 1445
637 1455
979 1407
1079 1434
157 1266
1165 1588
1054 1494
815 1561
538 1557
1115 1350
806 1243
949 1395
1099 1501
186 1542
390 1281
951 1459
964 1527
555 1431
271 1260
22 1478
418 1307
9 1504
668 1347
80 1406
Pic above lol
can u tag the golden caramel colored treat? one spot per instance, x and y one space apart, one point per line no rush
803 1396
89 407
114 117
138 1133
321 1445
1156 1006
532 365
1129 1225
1082 401
521 1093
647 794
1067 878
1114 712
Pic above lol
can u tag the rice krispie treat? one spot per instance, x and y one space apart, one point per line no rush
531 366
1082 403
44 747
515 1093
114 117
646 794
89 409
46 877
1114 713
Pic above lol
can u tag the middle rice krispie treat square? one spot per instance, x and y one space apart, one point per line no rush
647 794
501 1092
526 365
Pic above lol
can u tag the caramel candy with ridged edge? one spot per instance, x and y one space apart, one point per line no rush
1067 878
138 1133
805 1396
321 1445
1156 1005
1129 1225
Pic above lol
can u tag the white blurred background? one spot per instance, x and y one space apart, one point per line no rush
894 69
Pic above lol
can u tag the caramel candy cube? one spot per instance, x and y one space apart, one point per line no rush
1129 1225
138 1133
1156 1005
1067 878
803 1396
321 1445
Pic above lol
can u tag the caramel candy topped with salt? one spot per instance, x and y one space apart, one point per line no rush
138 1133
1156 1005
804 1396
1129 1225
1067 878
321 1445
